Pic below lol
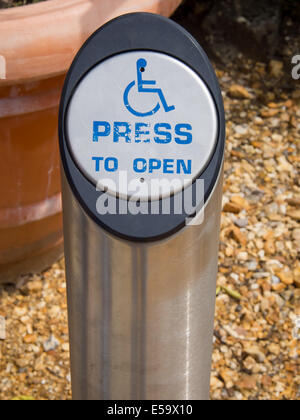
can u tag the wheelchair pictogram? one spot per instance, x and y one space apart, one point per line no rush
142 88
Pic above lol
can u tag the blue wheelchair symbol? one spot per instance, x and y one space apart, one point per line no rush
141 84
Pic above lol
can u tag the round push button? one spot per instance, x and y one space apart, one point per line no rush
142 124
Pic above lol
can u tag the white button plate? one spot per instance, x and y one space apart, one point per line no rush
153 120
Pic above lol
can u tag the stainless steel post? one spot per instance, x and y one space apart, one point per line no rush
141 288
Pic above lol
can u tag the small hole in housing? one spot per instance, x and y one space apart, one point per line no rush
142 180
142 69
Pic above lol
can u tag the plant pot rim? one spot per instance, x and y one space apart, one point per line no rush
40 40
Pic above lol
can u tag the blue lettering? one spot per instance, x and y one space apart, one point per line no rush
139 132
162 132
103 133
97 161
113 167
140 165
168 166
111 164
154 164
125 133
186 168
188 137
167 135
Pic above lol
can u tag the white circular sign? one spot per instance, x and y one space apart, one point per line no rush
142 124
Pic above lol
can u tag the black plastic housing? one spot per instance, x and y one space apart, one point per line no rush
136 32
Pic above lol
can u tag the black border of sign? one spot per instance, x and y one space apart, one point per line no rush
132 32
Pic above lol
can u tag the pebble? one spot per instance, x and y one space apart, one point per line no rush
251 365
231 208
280 287
235 277
296 94
297 276
261 275
35 285
239 92
242 256
216 383
241 129
268 113
275 280
65 347
296 234
293 202
241 223
248 382
255 351
239 236
286 276
20 311
2 328
252 265
294 214
51 344
30 339
276 68
274 349
284 165
240 201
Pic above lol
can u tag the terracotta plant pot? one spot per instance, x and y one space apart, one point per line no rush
37 45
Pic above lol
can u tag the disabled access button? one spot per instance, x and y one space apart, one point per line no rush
138 119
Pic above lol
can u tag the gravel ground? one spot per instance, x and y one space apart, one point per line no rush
256 351
256 354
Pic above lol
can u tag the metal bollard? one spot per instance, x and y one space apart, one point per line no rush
141 129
